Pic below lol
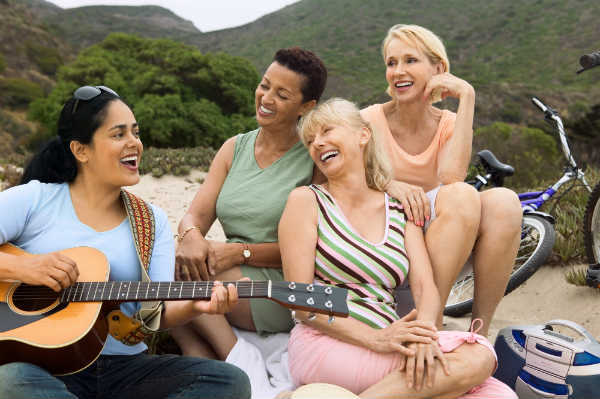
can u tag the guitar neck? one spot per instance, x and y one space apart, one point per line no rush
130 291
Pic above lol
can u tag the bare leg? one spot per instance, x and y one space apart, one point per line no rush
191 343
470 365
495 251
451 235
216 329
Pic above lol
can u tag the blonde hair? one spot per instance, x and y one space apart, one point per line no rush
337 111
421 38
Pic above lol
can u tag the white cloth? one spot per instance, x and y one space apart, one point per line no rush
265 359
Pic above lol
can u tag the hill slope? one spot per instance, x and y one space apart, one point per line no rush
84 26
29 58
25 41
507 50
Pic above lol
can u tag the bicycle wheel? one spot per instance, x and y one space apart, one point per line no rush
591 226
537 240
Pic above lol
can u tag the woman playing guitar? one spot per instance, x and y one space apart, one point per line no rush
71 197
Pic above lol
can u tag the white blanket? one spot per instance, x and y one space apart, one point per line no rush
265 360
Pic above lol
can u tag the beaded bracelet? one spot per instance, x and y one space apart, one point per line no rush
179 237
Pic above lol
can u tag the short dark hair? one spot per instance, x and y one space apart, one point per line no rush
305 63
55 163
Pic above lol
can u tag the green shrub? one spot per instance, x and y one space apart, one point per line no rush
2 63
529 150
47 58
576 276
6 144
178 162
511 112
14 127
180 97
17 92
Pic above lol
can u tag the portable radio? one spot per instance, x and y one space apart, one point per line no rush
538 362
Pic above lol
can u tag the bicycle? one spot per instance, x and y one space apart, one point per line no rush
537 233
591 219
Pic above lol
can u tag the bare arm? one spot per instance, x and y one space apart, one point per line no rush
192 251
427 300
420 275
196 257
298 241
454 157
223 255
202 211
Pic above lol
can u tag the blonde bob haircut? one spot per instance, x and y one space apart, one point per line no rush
337 111
421 38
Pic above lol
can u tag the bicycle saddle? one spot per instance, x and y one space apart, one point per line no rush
493 166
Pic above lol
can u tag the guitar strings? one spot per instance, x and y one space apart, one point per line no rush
163 289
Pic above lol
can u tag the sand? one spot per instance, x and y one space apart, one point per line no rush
545 296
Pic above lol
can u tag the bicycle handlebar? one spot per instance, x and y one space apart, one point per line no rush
538 103
591 60
588 61
549 113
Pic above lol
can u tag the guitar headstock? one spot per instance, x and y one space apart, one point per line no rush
323 299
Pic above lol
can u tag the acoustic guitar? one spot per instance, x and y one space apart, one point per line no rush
64 332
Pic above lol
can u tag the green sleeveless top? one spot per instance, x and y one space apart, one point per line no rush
252 199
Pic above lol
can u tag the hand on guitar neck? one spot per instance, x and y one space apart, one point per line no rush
65 331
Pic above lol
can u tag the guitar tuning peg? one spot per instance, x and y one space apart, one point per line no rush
311 317
331 319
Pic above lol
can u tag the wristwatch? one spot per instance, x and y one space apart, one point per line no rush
246 252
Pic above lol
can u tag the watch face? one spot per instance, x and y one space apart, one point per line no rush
246 253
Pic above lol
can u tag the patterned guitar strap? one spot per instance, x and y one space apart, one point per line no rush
146 321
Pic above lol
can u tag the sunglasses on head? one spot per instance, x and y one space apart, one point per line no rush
86 93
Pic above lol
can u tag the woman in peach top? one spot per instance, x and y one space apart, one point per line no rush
430 150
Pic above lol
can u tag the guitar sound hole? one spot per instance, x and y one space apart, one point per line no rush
31 298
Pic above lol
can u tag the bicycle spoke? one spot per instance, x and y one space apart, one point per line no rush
462 290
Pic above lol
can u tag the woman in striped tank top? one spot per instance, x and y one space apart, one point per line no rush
350 233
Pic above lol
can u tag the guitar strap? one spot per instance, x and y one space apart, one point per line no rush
146 320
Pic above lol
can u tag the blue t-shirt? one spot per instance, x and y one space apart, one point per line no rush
40 218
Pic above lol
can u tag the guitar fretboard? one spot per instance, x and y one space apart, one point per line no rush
126 291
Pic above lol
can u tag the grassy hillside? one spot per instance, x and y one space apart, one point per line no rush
90 25
27 49
506 49
30 56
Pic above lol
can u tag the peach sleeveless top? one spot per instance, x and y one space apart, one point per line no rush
420 169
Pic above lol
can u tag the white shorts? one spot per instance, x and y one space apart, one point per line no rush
432 195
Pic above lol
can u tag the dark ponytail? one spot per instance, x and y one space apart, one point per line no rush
55 163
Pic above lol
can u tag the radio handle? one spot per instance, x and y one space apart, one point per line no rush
573 326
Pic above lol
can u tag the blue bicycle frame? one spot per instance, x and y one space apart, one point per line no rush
532 201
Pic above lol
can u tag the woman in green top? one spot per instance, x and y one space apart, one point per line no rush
246 189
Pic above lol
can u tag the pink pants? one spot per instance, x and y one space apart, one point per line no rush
317 357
